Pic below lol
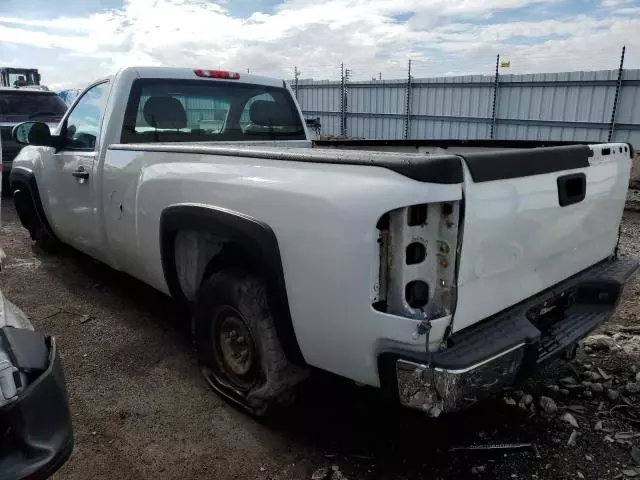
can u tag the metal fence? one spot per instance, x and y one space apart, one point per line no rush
591 106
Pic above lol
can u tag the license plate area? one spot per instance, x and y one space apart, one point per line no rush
551 311
597 296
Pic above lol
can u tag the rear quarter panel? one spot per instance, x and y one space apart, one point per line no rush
324 219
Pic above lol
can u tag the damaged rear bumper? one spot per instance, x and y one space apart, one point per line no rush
435 390
505 349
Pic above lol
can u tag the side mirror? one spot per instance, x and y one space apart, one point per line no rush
33 133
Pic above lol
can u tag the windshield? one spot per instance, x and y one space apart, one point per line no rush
26 105
21 79
168 110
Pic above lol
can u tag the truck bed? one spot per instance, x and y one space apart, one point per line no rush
531 217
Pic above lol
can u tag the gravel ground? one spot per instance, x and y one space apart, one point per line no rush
141 410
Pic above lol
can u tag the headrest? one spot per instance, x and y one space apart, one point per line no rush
263 112
165 112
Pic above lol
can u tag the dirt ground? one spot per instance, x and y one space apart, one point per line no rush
141 410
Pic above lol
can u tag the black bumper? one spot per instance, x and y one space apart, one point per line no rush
10 150
39 437
508 347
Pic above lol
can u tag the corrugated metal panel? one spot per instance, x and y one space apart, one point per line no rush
545 106
376 100
330 124
324 97
379 128
629 100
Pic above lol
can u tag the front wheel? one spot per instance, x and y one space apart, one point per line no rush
238 347
29 219
45 241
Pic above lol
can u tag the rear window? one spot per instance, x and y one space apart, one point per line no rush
25 105
205 111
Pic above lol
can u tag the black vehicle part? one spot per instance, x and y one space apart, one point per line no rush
444 143
501 165
39 436
507 348
28 350
572 188
585 301
442 169
257 241
29 207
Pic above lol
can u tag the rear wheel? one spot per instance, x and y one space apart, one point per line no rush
236 355
238 348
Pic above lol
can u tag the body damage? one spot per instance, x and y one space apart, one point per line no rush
340 231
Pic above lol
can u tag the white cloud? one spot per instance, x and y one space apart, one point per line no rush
617 3
441 36
62 23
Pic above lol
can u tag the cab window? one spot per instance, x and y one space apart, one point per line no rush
82 126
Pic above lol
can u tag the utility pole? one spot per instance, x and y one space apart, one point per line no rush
380 76
612 125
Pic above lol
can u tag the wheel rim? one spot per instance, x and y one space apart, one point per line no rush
233 343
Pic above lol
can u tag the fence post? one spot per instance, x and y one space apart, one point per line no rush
347 74
296 74
342 93
612 125
495 99
407 106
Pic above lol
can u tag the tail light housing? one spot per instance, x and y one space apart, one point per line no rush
416 261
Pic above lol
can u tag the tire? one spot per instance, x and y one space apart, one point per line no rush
29 220
45 241
237 344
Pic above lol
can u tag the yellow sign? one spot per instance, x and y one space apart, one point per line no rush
505 64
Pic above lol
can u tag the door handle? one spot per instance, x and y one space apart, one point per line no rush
81 173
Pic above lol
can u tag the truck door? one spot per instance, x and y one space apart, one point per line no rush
72 192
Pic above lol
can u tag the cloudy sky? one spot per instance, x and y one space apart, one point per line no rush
75 41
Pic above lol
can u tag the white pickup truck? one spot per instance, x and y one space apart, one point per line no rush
438 274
